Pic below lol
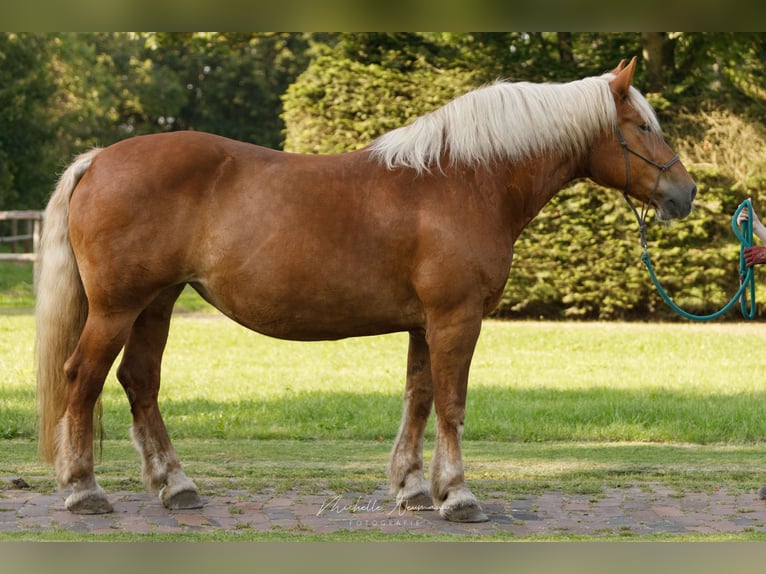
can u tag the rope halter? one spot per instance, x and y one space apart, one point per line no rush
662 167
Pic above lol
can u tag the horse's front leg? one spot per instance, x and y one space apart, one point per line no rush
452 341
405 469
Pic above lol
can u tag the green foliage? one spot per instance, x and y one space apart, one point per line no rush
231 83
340 104
569 258
333 92
25 91
63 93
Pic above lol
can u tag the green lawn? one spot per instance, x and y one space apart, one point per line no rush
530 382
16 286
573 407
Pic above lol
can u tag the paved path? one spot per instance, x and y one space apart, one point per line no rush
634 511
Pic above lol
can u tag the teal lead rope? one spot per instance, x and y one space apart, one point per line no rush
746 275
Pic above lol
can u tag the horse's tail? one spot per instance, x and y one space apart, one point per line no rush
61 308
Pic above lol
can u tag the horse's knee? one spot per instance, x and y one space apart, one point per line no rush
450 417
140 380
125 375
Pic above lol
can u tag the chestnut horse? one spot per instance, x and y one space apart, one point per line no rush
413 233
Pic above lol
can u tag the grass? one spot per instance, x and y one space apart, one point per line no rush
530 382
501 468
16 290
571 407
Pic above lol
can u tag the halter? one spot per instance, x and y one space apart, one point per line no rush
662 167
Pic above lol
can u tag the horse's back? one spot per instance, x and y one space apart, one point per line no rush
296 246
186 158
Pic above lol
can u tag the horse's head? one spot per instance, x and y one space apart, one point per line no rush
635 157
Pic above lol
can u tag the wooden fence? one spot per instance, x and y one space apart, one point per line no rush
20 235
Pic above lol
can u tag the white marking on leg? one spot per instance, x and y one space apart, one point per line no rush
405 471
63 461
154 466
397 466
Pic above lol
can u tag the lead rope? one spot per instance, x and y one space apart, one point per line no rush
746 274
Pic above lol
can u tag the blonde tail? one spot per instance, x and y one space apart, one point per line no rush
61 308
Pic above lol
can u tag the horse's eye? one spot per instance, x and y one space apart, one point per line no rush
645 128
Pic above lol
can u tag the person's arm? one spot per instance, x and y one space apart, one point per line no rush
755 255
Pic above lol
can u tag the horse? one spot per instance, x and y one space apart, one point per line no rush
412 233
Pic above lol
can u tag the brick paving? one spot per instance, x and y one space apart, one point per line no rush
633 511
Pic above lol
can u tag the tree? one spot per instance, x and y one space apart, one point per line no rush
230 84
63 93
658 58
25 91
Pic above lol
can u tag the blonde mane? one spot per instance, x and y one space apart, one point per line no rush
505 121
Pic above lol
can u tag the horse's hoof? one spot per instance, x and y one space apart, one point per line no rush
416 502
762 493
464 512
88 503
182 500
462 507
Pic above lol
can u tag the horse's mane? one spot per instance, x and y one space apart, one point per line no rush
508 120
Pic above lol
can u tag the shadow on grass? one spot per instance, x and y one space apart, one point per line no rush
515 415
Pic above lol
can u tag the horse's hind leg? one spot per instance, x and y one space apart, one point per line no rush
139 374
86 369
405 469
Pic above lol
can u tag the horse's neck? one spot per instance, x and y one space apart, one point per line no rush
532 183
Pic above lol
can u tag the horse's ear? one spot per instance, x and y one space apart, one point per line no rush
623 78
619 67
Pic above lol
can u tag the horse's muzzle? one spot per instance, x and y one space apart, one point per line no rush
677 206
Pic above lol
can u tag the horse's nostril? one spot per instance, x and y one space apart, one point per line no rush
694 192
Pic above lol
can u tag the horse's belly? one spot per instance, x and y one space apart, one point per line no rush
318 314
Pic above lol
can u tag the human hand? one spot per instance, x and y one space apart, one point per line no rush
758 229
744 215
755 255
